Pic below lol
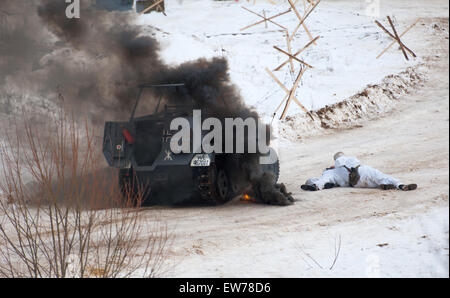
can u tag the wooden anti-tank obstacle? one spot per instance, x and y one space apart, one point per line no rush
396 38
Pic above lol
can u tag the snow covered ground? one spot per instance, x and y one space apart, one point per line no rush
400 126
343 58
381 233
392 245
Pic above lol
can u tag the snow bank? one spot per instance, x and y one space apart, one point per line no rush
371 103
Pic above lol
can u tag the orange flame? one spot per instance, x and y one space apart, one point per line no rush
247 198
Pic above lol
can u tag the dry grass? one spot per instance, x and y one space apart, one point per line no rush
58 226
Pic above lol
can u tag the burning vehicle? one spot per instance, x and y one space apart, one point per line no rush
140 149
91 68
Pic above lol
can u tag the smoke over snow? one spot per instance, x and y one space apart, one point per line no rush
95 63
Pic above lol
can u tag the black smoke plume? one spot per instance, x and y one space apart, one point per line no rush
95 63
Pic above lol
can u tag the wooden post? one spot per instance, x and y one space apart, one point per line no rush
269 19
281 103
265 19
157 3
288 42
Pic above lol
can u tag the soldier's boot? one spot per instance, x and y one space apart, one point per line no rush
407 187
308 187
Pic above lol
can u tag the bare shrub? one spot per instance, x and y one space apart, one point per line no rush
62 215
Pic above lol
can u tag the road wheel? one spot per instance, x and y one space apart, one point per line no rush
223 186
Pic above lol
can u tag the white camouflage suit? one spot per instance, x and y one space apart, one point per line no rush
339 176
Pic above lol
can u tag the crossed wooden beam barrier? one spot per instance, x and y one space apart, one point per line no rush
302 19
296 54
290 94
396 38
266 19
395 41
292 56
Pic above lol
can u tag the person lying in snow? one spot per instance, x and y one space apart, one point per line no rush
348 171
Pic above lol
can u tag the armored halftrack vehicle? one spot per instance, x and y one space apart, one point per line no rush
140 149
